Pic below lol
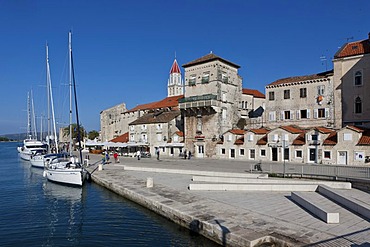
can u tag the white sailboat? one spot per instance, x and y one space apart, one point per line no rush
38 159
68 170
31 145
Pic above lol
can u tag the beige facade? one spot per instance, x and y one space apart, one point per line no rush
352 83
306 101
210 106
112 123
252 108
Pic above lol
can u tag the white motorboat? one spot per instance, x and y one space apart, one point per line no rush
31 147
68 170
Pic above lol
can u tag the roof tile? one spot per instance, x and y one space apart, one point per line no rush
254 92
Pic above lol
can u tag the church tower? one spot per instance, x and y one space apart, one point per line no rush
175 85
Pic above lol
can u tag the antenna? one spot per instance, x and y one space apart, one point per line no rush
323 59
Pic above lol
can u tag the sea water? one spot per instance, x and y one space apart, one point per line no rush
36 212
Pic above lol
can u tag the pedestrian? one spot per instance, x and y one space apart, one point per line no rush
106 157
189 155
138 154
103 159
115 156
185 154
157 153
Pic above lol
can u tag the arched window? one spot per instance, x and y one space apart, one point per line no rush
358 105
358 78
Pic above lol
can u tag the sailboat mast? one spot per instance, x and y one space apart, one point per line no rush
48 93
33 117
70 91
28 116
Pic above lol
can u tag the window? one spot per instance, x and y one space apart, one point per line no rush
347 137
223 96
359 156
358 105
272 116
314 137
250 137
223 151
143 138
358 78
287 94
298 153
321 113
132 138
241 152
304 114
159 126
223 113
252 153
263 152
159 137
132 128
224 77
271 95
286 153
321 90
192 80
303 92
205 77
143 127
286 114
327 155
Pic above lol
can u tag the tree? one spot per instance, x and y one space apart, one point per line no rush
92 134
74 131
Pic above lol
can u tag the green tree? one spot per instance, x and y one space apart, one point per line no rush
92 134
3 139
74 131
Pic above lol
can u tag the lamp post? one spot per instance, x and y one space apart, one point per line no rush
283 158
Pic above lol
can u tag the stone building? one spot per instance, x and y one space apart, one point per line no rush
352 83
213 90
115 120
306 101
252 107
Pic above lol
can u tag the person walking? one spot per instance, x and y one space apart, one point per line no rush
106 157
189 154
138 154
115 155
157 151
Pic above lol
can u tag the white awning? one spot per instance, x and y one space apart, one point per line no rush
93 143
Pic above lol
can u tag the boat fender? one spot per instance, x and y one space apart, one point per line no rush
44 174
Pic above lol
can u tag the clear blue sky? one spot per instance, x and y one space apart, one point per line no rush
123 50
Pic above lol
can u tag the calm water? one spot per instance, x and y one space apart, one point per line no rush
35 212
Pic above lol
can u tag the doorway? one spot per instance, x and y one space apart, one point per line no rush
274 152
342 157
312 156
232 153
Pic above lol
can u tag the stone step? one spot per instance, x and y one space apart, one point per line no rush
254 187
313 202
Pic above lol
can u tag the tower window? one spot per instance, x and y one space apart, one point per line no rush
358 78
192 80
205 77
358 105
287 94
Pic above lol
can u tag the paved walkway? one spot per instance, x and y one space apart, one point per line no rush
238 215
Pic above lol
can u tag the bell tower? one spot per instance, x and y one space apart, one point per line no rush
175 84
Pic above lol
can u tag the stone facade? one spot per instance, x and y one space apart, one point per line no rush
210 106
112 124
304 100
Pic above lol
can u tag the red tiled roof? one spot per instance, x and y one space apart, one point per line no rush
208 58
237 131
180 133
365 138
156 117
172 101
355 128
175 68
260 131
300 140
302 78
332 139
324 130
254 92
262 141
292 129
354 48
239 141
121 138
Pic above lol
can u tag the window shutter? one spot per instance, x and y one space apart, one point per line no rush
308 113
282 116
309 137
291 114
327 113
315 113
297 115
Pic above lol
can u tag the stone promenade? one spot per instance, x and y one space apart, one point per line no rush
231 218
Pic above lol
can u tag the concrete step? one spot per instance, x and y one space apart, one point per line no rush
360 206
333 184
317 205
196 172
254 187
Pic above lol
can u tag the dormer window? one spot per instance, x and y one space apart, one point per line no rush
358 78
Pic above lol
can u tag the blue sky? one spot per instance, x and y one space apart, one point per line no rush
123 50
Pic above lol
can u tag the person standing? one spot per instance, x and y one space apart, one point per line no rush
106 157
115 155
189 154
138 154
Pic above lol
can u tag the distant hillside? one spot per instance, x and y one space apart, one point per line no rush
19 136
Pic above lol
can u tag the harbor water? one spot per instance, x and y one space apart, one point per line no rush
36 212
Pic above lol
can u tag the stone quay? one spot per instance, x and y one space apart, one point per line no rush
234 207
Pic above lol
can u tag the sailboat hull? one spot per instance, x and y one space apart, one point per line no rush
71 176
37 161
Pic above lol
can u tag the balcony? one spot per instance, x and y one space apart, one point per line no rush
199 101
